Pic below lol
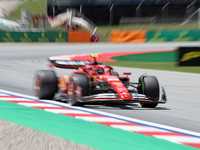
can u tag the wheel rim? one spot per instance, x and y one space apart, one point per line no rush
37 85
70 90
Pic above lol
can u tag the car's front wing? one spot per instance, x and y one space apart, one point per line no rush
113 97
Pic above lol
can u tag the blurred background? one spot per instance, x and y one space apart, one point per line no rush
106 15
114 12
109 15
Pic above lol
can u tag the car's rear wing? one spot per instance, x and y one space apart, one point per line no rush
72 61
70 64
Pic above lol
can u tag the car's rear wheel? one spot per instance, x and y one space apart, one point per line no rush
45 84
149 86
79 87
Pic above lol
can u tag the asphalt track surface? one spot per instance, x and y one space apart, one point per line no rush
20 61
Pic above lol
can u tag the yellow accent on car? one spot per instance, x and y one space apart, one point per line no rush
117 83
94 55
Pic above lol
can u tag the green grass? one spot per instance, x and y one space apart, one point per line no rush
170 56
168 66
35 8
158 61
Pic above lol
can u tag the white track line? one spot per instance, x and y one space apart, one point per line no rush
116 121
58 111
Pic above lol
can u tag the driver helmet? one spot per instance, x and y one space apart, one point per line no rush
99 71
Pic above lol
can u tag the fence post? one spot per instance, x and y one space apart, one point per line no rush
165 12
111 15
138 10
46 25
199 17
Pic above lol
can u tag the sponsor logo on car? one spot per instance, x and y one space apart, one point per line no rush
121 89
113 79
109 95
139 96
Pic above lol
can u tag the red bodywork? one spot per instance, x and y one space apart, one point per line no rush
97 73
107 74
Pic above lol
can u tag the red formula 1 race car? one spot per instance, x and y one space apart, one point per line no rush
93 82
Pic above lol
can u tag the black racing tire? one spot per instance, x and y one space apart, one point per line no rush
83 82
45 84
149 86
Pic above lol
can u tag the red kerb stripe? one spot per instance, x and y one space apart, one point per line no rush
118 123
197 145
160 133
8 96
43 107
21 101
82 115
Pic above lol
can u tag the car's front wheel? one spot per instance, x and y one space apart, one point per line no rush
148 85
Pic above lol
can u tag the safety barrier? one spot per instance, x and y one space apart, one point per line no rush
136 36
189 56
140 36
79 36
173 36
33 36
50 36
